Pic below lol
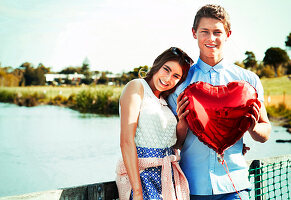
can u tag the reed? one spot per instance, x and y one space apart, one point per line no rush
280 113
99 99
7 96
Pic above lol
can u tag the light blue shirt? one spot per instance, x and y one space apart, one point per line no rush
206 176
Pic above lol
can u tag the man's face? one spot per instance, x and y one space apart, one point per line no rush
211 37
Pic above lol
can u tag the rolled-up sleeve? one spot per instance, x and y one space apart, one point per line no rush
172 101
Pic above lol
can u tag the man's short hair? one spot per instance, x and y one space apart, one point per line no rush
215 12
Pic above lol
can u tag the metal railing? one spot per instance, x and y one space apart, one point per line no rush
271 178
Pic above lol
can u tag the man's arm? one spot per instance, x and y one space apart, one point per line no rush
260 129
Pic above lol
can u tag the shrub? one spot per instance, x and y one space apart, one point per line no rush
281 111
102 101
7 96
268 72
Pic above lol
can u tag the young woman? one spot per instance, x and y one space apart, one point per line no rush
150 168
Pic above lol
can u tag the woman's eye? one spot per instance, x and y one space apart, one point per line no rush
166 69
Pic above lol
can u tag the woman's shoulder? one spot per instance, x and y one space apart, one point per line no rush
134 86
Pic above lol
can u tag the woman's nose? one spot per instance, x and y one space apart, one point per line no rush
167 78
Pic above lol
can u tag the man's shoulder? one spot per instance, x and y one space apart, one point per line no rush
187 81
244 73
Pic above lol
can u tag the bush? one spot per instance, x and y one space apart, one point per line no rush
102 101
282 112
268 72
58 100
29 99
7 96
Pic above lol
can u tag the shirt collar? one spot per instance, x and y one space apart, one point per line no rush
206 68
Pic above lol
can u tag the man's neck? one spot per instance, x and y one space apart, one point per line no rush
211 61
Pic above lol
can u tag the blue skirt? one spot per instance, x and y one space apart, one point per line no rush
151 177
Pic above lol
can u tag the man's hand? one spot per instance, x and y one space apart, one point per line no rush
182 125
255 113
245 149
181 105
260 128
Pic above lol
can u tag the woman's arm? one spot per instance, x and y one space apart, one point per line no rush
130 102
182 126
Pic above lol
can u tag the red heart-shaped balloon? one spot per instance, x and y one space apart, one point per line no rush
220 115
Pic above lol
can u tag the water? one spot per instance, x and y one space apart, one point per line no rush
49 147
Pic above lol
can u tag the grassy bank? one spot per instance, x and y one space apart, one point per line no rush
103 99
94 99
280 114
277 86
277 91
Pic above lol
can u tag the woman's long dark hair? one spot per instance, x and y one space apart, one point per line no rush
170 55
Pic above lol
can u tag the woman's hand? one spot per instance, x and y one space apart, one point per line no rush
182 126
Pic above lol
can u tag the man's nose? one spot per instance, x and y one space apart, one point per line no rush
212 37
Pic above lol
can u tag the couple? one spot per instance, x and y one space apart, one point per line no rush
150 133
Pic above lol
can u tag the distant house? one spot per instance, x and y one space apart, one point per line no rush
56 79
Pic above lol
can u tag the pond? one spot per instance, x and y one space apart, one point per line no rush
49 147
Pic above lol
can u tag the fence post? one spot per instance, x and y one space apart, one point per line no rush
257 171
103 191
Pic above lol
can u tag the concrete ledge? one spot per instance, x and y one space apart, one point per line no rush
99 191
47 195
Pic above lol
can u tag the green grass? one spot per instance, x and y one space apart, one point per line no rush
277 86
99 99
53 91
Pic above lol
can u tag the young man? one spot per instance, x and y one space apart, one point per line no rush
206 176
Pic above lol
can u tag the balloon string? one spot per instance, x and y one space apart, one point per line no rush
227 171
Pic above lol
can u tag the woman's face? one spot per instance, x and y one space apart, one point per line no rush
167 77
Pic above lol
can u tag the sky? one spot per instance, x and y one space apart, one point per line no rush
119 35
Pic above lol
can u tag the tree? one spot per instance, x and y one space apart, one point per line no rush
288 41
71 70
275 57
250 62
137 71
86 71
28 73
103 78
39 72
33 76
241 64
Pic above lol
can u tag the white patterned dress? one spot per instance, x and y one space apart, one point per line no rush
155 135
